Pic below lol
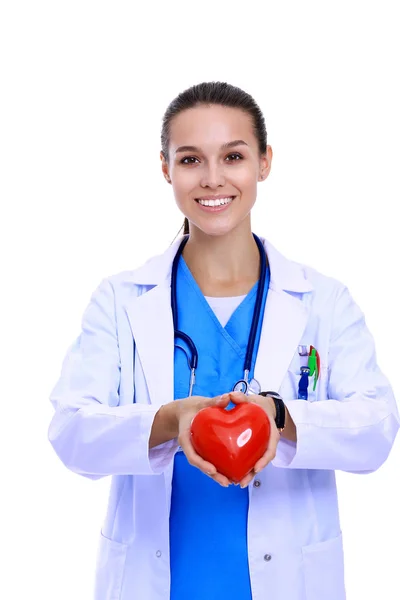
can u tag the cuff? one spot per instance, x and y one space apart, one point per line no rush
157 459
161 456
285 453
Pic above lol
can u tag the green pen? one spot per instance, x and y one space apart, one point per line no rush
313 366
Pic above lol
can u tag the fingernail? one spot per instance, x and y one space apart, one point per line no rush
244 485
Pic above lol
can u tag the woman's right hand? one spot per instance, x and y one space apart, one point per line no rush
186 409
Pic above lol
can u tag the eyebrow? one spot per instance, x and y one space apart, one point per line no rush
223 147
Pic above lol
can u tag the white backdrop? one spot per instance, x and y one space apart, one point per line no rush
84 87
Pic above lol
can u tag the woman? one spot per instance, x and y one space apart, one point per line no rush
171 531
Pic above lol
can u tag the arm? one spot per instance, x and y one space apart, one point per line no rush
290 431
165 425
355 429
90 432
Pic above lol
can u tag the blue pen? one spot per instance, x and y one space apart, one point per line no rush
303 383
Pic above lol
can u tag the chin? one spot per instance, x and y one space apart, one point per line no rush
215 230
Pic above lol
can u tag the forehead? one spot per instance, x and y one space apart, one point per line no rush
211 125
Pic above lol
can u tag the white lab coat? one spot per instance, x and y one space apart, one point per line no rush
119 372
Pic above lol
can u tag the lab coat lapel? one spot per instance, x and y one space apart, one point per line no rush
151 322
150 318
285 318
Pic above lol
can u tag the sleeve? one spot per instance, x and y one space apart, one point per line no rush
354 430
92 435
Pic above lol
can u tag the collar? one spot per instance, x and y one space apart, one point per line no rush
285 274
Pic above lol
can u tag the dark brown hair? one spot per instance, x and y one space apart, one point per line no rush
209 93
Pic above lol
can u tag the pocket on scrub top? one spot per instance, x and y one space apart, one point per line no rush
110 566
323 565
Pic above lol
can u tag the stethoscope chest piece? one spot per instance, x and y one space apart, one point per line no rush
252 387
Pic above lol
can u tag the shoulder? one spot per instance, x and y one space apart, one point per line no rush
156 270
123 285
324 285
298 278
330 301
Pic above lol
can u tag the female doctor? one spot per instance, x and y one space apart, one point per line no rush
245 317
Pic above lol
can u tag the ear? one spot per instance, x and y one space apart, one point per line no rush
164 167
265 164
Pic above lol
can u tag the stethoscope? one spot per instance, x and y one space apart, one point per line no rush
243 385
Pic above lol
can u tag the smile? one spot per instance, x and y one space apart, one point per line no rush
216 203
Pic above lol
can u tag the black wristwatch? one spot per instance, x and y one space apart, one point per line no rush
280 409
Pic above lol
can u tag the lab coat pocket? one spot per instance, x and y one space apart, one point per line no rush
110 567
323 565
321 389
290 385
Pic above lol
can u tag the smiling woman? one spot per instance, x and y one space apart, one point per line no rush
229 157
176 528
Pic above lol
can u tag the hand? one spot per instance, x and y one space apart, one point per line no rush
268 404
186 410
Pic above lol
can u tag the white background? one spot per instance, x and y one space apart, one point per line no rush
84 85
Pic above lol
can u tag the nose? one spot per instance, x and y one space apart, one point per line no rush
213 176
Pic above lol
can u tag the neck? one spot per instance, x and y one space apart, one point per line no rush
223 265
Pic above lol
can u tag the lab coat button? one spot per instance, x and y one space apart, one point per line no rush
257 483
267 557
158 553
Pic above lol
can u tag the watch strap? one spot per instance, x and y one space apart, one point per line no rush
280 409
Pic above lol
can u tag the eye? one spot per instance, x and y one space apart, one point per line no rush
235 154
189 158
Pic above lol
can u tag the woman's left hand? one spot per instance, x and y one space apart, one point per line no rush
267 403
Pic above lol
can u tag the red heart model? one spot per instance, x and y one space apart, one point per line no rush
232 440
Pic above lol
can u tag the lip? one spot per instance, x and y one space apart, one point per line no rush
212 209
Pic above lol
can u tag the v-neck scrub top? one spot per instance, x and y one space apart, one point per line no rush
208 523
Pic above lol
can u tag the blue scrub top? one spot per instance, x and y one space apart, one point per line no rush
208 523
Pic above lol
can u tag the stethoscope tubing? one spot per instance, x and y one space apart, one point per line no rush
194 357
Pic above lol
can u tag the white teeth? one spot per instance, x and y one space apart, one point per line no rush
215 202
